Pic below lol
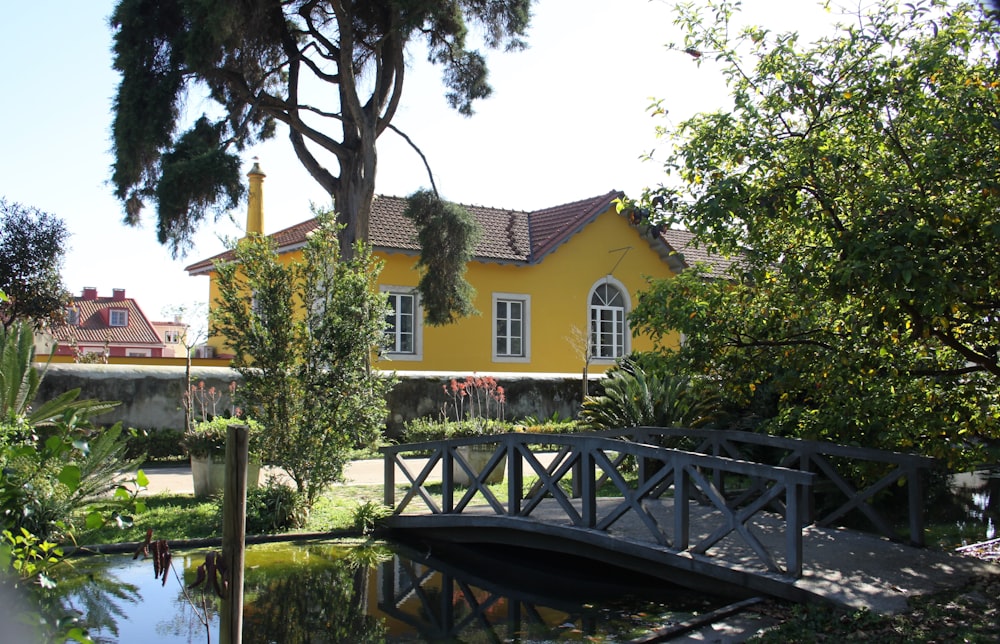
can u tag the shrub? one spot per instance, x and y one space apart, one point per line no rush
421 430
634 397
155 444
275 507
208 438
369 515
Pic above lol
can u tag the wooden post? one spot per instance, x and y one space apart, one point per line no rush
234 516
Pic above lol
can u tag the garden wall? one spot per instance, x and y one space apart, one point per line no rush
151 396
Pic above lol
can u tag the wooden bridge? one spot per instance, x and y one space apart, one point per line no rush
731 511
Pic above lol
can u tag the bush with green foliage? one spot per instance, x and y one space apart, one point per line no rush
208 438
275 507
155 444
59 472
370 515
635 397
306 370
421 430
854 175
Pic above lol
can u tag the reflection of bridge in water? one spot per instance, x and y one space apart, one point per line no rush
460 596
721 510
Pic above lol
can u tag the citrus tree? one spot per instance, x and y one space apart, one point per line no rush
856 179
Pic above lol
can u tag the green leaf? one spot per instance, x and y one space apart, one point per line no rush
53 445
70 476
141 479
94 520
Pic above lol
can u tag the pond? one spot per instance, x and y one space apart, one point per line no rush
973 505
330 591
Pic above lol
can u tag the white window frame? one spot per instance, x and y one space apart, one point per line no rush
620 317
139 353
119 315
418 324
525 302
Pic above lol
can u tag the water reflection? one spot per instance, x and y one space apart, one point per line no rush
976 504
329 592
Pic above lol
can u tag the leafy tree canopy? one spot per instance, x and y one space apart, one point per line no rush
32 245
858 178
316 66
303 334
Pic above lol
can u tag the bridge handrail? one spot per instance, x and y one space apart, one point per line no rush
809 456
581 455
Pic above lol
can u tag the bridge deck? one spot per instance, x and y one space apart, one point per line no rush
847 567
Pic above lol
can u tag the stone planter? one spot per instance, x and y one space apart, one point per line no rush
209 475
477 456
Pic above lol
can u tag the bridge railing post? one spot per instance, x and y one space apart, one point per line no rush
447 479
682 522
515 472
389 491
915 490
795 499
588 491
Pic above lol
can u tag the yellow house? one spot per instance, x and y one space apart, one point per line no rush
553 286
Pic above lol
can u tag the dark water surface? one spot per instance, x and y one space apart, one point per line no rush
337 592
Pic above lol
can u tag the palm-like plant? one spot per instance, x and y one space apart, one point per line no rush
19 382
632 397
54 461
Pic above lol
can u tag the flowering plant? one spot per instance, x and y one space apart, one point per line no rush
477 403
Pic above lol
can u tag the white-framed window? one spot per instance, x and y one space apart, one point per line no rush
403 324
608 305
511 327
171 336
118 317
139 353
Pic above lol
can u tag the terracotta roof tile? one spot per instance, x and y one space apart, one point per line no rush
507 235
680 241
552 226
93 326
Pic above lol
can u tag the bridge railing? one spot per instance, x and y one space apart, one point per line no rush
828 460
571 479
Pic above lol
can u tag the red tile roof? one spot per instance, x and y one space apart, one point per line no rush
94 328
680 242
507 235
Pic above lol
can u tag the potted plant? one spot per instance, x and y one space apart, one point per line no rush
477 455
477 403
205 443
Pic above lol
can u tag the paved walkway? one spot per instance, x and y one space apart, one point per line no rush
177 479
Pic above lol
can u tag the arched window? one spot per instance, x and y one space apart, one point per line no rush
608 305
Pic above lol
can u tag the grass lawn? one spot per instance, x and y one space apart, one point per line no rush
181 516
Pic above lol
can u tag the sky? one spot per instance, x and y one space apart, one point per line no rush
568 120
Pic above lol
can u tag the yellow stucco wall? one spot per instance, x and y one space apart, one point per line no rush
559 288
